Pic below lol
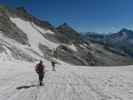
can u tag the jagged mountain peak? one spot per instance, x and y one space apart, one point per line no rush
22 12
127 31
4 10
2 7
124 33
69 32
65 26
21 9
26 15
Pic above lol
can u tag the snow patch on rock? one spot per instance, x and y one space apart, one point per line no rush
73 47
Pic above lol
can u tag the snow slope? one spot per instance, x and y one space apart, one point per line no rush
34 35
7 42
18 81
36 38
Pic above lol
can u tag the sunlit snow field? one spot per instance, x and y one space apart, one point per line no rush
18 81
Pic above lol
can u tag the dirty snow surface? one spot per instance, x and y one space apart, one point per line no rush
18 81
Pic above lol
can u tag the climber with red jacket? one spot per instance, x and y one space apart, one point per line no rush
40 70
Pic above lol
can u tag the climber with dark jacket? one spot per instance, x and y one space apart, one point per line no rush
40 70
53 65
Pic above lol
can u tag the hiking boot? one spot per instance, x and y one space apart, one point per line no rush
41 84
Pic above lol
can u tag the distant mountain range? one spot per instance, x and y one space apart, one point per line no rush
122 40
27 38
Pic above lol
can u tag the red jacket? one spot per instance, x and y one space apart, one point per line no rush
39 68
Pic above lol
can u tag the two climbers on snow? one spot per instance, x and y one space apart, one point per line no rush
40 69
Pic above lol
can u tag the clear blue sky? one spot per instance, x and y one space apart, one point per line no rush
84 15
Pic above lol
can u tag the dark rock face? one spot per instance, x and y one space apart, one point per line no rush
67 55
94 37
69 33
76 58
46 51
9 29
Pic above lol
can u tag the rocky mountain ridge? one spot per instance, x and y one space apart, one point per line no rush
25 37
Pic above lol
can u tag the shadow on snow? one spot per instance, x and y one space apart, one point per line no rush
25 87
